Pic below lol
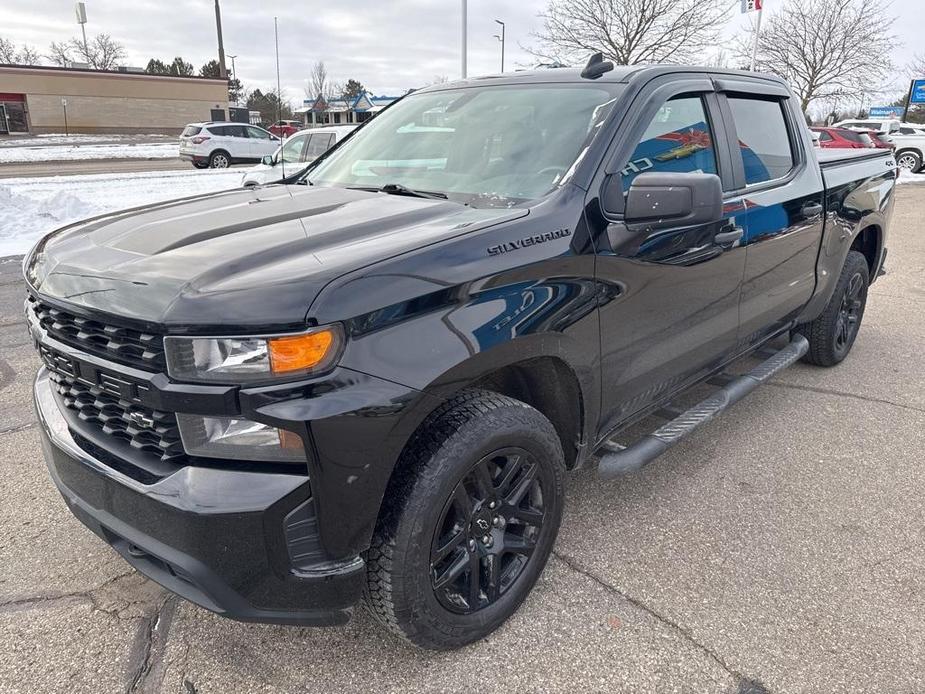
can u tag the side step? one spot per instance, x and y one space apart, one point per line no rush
618 460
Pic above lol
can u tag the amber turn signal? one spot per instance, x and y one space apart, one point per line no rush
301 352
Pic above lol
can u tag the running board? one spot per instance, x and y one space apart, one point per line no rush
618 460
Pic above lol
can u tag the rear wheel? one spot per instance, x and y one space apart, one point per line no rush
219 160
471 519
832 334
909 160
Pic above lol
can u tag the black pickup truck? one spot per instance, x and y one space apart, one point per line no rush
370 381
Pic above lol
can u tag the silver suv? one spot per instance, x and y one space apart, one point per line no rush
219 145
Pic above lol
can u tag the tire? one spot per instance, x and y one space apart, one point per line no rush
438 522
832 334
910 160
219 159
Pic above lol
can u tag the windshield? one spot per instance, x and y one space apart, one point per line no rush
485 146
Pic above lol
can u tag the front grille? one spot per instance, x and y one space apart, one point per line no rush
147 431
123 345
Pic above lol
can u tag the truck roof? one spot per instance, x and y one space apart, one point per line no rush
619 74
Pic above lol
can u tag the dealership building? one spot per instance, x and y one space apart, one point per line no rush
36 99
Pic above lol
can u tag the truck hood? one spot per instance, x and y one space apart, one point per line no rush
241 259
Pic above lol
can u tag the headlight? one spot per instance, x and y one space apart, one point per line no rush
238 439
251 359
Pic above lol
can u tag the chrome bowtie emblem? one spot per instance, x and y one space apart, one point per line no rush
141 420
482 523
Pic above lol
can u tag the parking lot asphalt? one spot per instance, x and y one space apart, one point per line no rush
779 549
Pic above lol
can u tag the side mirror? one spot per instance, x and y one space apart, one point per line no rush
268 160
665 200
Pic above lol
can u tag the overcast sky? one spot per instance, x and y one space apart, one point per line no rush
389 45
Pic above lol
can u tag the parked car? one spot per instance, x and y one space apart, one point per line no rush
911 129
885 125
910 149
880 140
219 145
369 384
842 138
295 154
286 128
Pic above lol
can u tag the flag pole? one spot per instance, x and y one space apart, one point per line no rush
755 45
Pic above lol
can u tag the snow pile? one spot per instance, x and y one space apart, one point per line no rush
32 207
81 152
909 177
80 139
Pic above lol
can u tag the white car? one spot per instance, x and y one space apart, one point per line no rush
219 145
295 154
886 125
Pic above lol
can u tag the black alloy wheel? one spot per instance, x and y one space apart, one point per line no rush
487 531
849 314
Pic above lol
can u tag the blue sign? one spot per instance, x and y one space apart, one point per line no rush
918 92
885 112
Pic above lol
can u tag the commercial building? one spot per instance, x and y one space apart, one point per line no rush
360 109
36 99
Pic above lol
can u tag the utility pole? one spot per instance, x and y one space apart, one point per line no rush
757 34
501 39
465 39
234 77
222 70
82 20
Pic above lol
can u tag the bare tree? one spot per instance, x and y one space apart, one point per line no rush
10 55
827 49
101 52
629 31
59 53
916 67
317 81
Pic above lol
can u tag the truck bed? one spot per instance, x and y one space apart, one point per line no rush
836 157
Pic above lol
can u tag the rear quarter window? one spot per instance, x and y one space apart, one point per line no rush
191 131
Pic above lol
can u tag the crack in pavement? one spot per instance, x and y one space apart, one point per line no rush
149 653
88 595
19 427
742 682
844 393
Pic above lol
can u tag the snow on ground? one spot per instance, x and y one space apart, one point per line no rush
32 207
79 139
79 152
907 177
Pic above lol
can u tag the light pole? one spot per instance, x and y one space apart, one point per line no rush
501 39
234 76
222 71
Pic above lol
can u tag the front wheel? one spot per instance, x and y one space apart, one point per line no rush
832 334
469 521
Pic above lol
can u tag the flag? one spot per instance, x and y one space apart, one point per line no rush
750 5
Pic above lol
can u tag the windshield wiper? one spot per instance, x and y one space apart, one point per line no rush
400 189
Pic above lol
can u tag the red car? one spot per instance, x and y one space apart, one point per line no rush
842 138
285 128
879 139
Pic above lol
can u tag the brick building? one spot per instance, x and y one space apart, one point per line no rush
36 99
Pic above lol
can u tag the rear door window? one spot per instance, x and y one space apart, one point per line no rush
764 139
678 139
318 145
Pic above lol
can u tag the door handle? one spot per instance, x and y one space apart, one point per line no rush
811 209
729 237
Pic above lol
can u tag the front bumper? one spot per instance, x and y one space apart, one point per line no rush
223 539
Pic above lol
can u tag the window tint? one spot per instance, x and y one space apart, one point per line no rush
763 138
318 145
678 139
291 152
257 133
852 136
217 130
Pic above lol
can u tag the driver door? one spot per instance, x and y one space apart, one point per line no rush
670 306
